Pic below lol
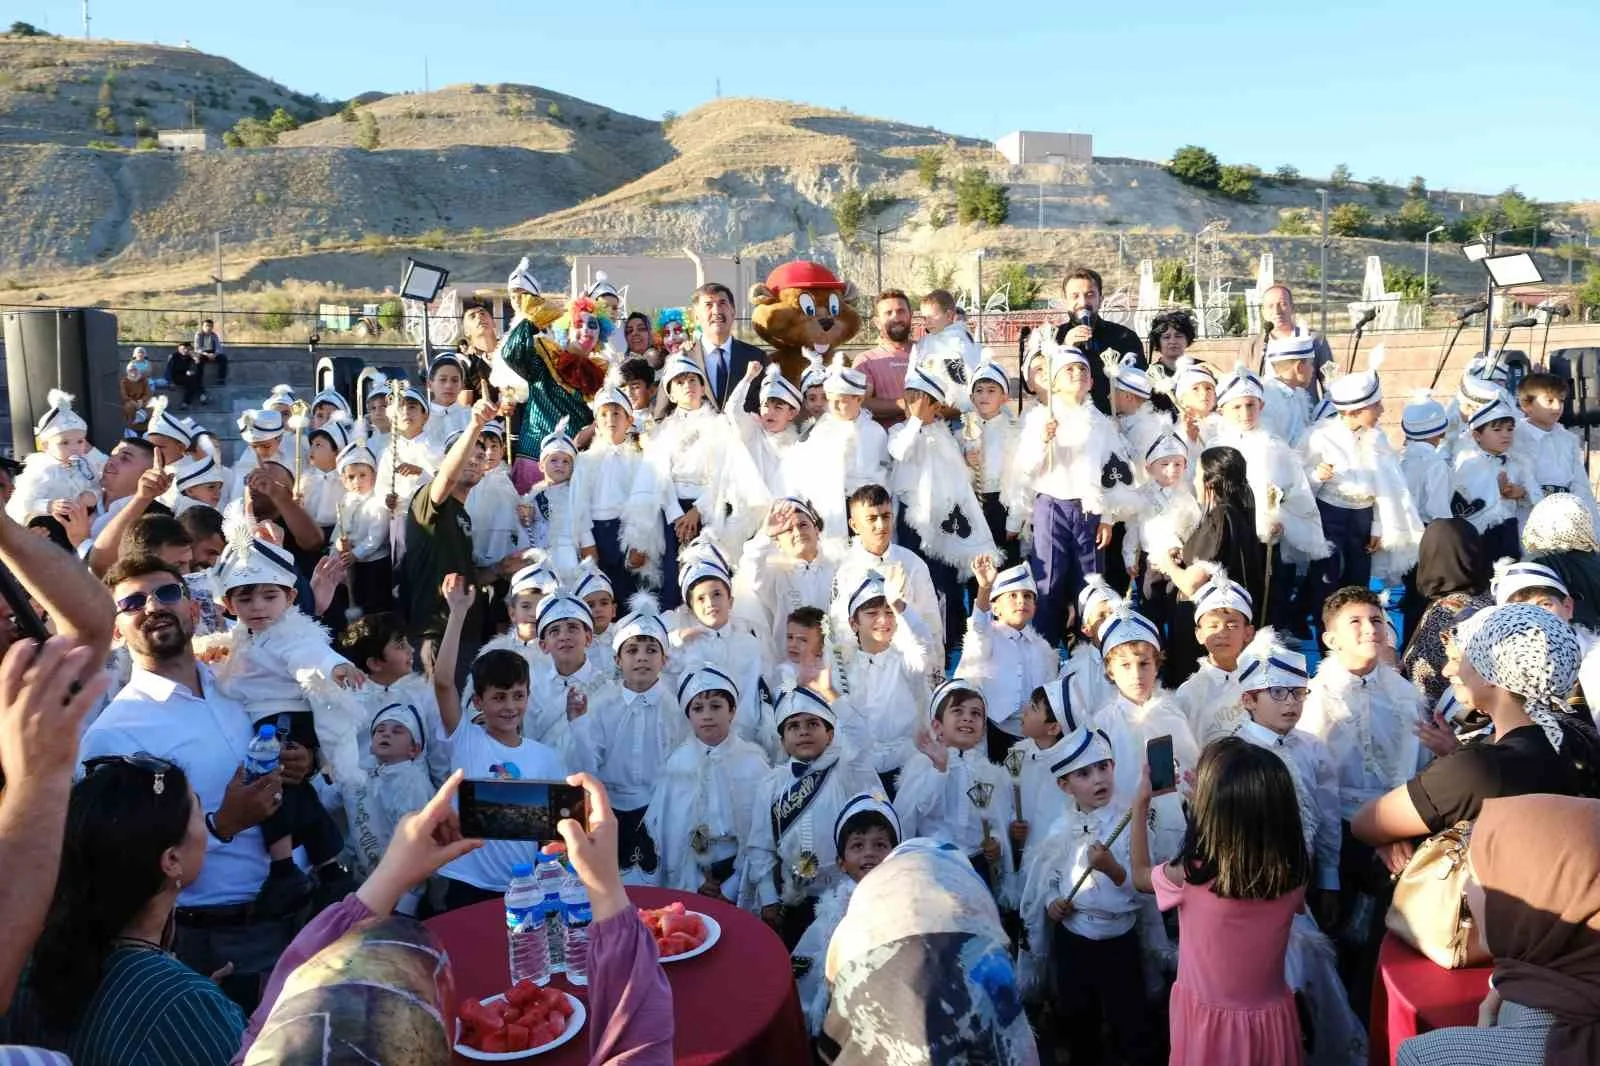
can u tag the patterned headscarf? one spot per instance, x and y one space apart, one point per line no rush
1559 522
920 969
1528 651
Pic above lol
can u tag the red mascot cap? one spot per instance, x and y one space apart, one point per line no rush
801 274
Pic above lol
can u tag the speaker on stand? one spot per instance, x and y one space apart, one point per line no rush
67 348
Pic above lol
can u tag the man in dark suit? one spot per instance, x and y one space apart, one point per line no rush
724 357
1093 335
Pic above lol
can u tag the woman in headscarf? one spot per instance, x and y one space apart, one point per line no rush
1535 894
1452 575
1560 534
1517 668
921 969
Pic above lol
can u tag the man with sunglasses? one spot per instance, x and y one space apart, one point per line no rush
171 709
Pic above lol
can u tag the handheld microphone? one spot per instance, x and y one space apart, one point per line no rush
1477 307
1554 309
1266 329
1366 316
1520 323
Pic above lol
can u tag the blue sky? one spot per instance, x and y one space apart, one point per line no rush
1471 95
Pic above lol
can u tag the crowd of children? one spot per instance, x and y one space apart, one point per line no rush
971 628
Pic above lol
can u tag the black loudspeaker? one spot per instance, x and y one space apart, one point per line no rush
339 372
1580 367
72 349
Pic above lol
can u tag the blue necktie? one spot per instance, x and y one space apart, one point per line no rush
716 373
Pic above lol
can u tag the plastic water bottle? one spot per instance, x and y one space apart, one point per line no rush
576 915
261 757
548 876
525 929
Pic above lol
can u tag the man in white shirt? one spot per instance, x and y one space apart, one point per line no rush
172 709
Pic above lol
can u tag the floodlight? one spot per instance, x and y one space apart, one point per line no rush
422 282
1475 251
1515 269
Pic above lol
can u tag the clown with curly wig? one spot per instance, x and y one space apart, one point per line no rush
585 326
671 331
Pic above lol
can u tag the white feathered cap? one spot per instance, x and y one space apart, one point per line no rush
562 607
521 279
916 378
1221 593
336 429
1241 384
643 620
1423 417
704 678
989 370
249 560
1165 446
536 577
1352 392
1265 663
1283 349
162 424
281 395
796 699
846 381
332 396
59 418
591 579
190 472
558 441
356 453
1192 372
1127 626
612 392
865 803
679 365
602 286
258 427
1494 411
1512 577
816 372
774 386
1078 749
1094 590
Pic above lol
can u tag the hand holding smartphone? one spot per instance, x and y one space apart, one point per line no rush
1163 767
495 809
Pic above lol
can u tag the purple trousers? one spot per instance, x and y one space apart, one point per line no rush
1063 552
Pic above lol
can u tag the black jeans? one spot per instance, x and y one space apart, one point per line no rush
220 362
1102 979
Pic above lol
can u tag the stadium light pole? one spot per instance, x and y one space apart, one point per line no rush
1427 295
1322 270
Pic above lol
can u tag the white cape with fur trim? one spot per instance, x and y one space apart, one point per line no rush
1282 493
931 480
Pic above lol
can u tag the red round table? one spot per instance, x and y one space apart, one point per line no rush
735 1004
1413 995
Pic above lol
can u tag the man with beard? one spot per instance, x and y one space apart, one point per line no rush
439 542
885 365
133 480
480 339
1093 335
171 709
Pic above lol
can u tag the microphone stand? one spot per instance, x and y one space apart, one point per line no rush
1545 343
1266 339
1355 345
1505 339
1438 371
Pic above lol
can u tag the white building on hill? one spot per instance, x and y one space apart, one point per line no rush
1033 146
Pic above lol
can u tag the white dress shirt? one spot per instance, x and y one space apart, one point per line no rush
1368 724
625 739
208 735
1008 664
1316 785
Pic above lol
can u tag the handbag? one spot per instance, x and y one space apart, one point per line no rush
1429 910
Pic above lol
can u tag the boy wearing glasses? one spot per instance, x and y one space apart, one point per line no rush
1274 685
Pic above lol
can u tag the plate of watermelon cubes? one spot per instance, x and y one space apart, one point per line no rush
681 933
521 1022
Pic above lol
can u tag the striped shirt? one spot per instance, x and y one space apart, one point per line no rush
152 1010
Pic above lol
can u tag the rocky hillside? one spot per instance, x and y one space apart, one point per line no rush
481 174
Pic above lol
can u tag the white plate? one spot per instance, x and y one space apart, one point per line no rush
713 934
574 1023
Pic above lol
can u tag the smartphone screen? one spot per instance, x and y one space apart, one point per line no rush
517 810
1163 770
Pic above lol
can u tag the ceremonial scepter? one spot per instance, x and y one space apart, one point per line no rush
1013 765
1122 823
397 399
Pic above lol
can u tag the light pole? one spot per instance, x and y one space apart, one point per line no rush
1427 293
978 296
1322 269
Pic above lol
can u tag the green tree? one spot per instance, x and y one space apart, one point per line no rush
1414 219
1350 220
1193 165
279 315
282 122
1296 222
347 113
1016 280
929 161
1589 294
251 132
1239 183
367 132
554 111
105 121
1238 318
1379 190
1340 177
667 119
1408 283
1287 174
980 200
1418 189
26 29
1175 280
391 314
849 210
1521 213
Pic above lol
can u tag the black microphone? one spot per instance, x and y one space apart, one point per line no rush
1266 330
1520 323
1554 310
1477 307
1366 316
